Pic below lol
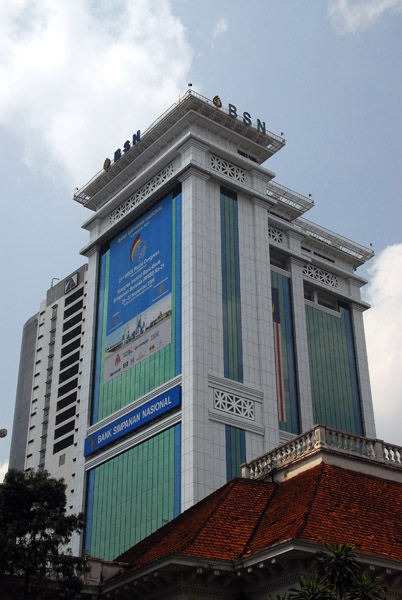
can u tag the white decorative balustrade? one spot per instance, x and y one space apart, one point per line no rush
140 195
232 404
320 275
323 438
228 169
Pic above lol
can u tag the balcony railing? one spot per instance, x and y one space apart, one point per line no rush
332 239
323 438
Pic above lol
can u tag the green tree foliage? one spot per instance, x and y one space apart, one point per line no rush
338 568
311 590
368 587
34 532
339 577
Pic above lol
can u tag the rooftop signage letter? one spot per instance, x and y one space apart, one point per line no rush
126 147
246 118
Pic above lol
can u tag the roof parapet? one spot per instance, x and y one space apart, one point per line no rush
294 199
190 101
322 438
330 238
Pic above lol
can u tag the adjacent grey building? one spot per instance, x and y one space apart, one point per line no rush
48 392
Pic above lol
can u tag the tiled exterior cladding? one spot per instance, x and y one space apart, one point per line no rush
243 269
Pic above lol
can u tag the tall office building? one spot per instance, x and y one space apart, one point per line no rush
219 321
49 381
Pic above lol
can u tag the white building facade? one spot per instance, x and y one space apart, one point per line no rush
219 322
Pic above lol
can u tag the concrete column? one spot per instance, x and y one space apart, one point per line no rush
197 467
363 371
301 346
265 326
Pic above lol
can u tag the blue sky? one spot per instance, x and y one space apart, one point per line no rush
79 77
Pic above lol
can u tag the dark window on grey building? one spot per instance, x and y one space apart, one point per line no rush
71 335
73 309
68 441
69 361
73 346
65 415
67 388
64 429
70 299
68 373
72 322
66 401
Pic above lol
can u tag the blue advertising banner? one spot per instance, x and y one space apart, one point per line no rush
133 420
139 304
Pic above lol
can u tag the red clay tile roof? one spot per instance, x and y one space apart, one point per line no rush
217 527
324 504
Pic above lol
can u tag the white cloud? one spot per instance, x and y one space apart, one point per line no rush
220 28
383 324
3 471
350 16
78 77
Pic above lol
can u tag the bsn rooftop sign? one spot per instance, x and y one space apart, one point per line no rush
246 118
232 111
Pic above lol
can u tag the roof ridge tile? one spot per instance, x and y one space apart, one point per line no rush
246 548
309 504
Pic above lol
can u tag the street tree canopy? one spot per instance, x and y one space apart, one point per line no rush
34 533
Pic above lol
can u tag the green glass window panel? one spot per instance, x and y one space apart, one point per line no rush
332 371
235 451
288 410
133 495
231 304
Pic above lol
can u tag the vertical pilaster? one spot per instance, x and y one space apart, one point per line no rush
196 468
265 326
301 344
363 371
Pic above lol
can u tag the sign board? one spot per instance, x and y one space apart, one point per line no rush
139 301
146 413
71 283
